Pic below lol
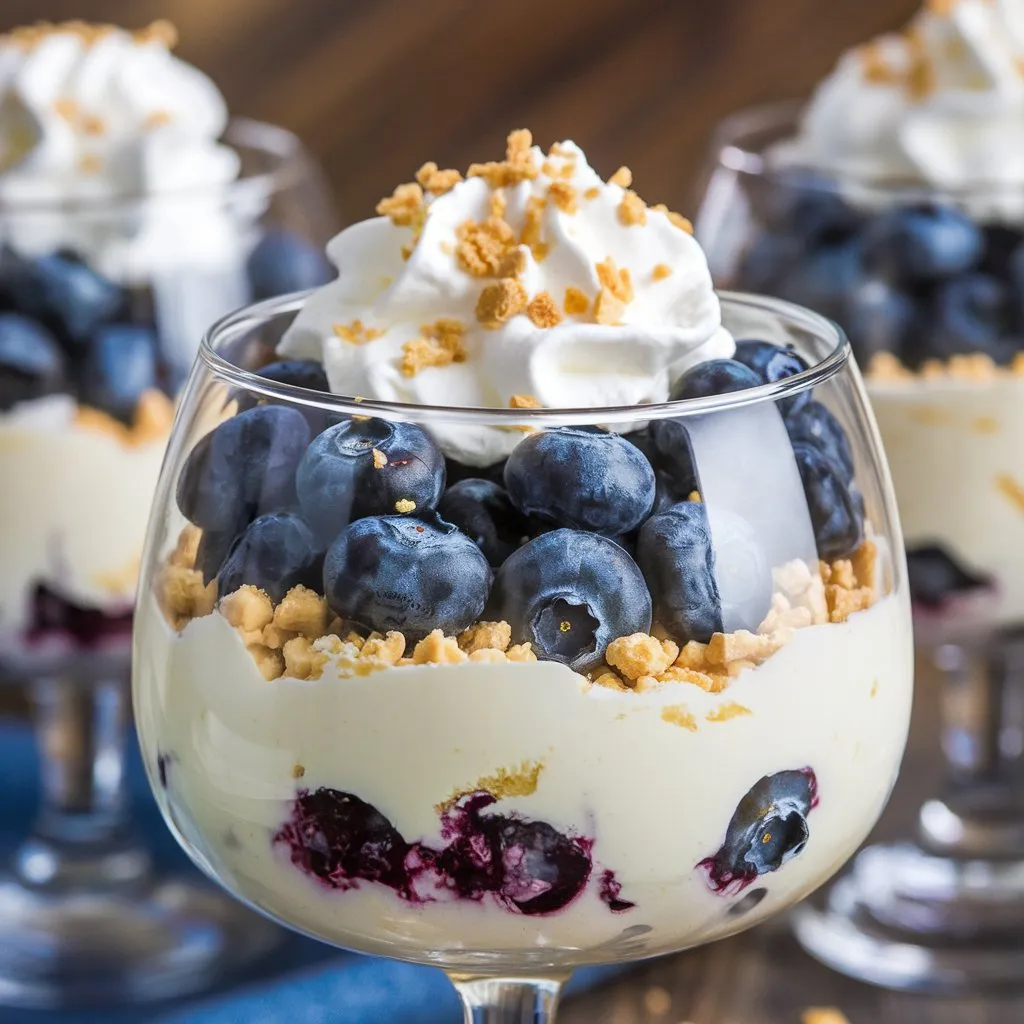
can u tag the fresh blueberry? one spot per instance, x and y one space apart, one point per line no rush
1015 276
973 313
824 277
673 459
1001 244
806 206
921 243
772 363
813 424
122 361
243 468
456 471
701 584
570 594
935 576
836 515
368 467
283 262
32 364
484 512
585 479
714 377
301 373
766 262
277 552
214 546
66 295
881 318
408 574
343 840
768 828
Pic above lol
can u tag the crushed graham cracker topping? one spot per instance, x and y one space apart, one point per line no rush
440 344
543 311
405 506
575 302
356 333
623 177
517 166
151 421
616 281
675 219
435 181
563 195
29 37
632 210
501 301
404 207
505 782
660 271
524 402
974 366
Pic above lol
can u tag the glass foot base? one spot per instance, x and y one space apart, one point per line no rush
77 949
906 919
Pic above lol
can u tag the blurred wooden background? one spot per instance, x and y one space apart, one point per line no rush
375 87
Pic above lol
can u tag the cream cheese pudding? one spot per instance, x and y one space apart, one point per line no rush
124 231
896 207
520 680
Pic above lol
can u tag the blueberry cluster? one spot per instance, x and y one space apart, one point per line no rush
66 329
920 280
589 535
528 867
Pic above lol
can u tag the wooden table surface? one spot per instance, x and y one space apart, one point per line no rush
376 87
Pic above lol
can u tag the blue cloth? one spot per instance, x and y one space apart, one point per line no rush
304 982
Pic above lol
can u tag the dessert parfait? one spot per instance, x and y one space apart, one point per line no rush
894 204
132 214
127 224
516 616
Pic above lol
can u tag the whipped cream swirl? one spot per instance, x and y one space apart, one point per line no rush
531 283
941 104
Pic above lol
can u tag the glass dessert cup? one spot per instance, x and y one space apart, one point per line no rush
943 910
109 298
390 769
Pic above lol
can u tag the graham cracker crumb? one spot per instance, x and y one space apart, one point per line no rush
823 1015
351 637
592 193
842 574
482 246
486 635
249 610
182 595
608 310
874 66
404 207
270 663
676 714
160 31
405 505
435 181
298 770
661 271
157 119
694 655
604 676
675 219
742 645
275 637
380 460
886 366
842 603
575 302
563 195
1011 490
488 656
302 660
186 548
614 280
520 780
437 649
501 301
302 611
383 652
517 166
694 496
724 712
709 682
543 311
623 177
513 263
524 402
976 366
521 652
440 345
356 333
632 210
533 222
641 655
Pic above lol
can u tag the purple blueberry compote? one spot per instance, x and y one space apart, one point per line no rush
55 618
768 828
527 867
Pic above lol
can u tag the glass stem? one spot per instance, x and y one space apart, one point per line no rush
508 1000
81 838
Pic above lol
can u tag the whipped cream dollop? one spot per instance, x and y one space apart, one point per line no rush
92 113
531 283
940 104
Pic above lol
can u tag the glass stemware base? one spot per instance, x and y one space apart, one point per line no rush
945 913
84 920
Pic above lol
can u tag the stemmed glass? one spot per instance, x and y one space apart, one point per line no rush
108 299
945 909
345 720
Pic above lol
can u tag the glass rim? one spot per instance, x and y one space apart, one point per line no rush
242 133
249 317
732 150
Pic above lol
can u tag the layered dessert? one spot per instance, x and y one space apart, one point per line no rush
439 683
897 208
120 241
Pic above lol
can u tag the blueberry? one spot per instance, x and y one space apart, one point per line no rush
277 552
214 546
972 313
824 277
701 584
806 206
837 516
407 574
456 471
570 594
813 424
283 262
921 243
935 576
714 377
342 840
301 373
1016 280
243 468
673 459
767 261
122 361
881 318
586 479
32 364
768 828
772 363
484 512
66 295
368 467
